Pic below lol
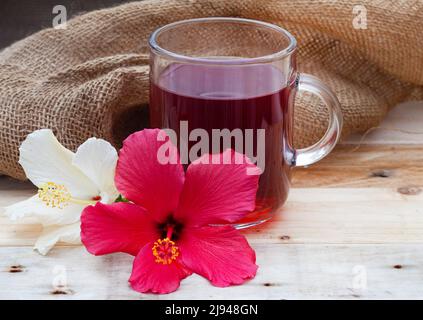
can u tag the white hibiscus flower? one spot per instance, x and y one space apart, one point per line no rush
67 182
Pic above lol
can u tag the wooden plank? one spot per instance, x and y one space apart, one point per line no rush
314 215
394 166
286 272
367 166
403 125
311 215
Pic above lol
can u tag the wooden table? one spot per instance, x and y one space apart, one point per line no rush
352 228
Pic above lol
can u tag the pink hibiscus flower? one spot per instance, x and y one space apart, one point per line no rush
168 223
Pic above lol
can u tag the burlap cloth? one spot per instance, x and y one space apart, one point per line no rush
91 79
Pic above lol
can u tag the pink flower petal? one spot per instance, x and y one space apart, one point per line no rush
218 193
220 254
150 276
141 178
118 227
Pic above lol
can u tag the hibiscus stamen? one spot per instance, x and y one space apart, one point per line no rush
58 196
165 251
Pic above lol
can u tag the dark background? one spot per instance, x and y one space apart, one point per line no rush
21 18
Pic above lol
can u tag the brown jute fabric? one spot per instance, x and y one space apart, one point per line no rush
91 79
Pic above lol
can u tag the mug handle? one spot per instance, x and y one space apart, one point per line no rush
319 150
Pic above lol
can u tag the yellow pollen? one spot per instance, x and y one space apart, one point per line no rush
58 196
54 195
165 251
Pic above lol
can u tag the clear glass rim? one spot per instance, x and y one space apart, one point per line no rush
278 55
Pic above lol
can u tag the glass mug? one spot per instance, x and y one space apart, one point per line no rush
233 73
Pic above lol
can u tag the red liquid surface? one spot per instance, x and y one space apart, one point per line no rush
244 97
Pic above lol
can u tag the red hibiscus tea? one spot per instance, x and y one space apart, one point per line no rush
237 76
249 98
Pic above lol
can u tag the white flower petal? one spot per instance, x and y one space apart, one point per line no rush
44 159
69 234
97 159
34 207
